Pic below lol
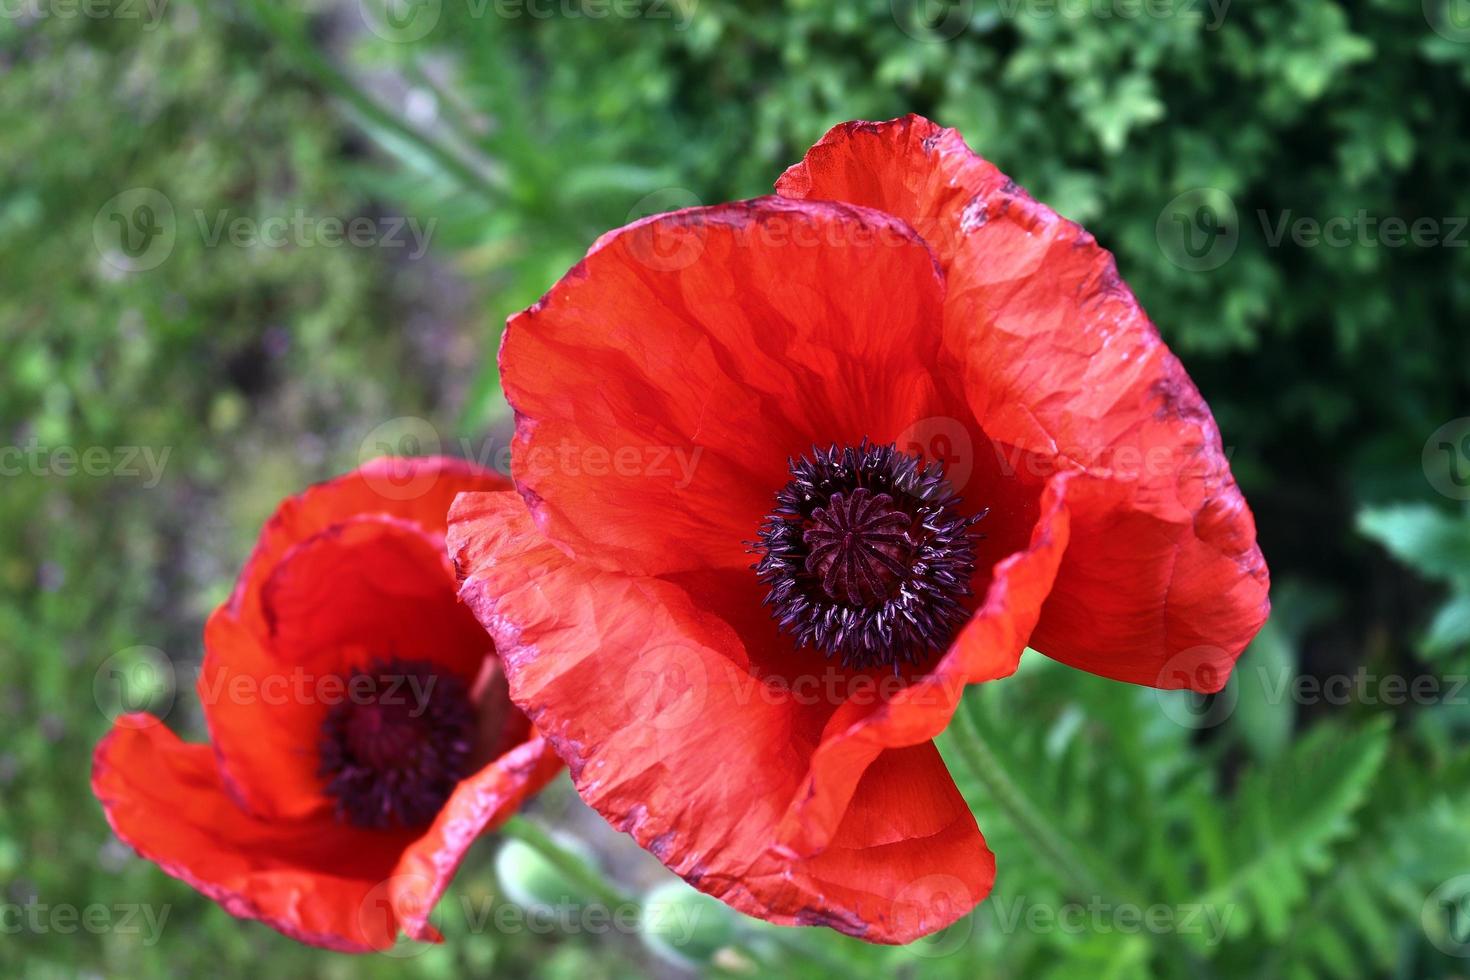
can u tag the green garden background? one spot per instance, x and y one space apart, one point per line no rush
1285 183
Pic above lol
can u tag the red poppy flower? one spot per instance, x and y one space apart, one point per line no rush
800 468
361 733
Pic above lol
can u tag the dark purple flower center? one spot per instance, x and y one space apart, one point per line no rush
860 546
398 743
867 555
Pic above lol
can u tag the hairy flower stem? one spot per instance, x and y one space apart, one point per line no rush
1068 860
285 27
1082 870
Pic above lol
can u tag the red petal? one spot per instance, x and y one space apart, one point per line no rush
906 861
987 648
669 732
1169 600
263 731
907 167
308 879
366 589
486 799
1163 583
318 881
662 385
414 489
371 581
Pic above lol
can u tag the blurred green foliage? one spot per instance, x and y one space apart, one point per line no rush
1437 546
1317 827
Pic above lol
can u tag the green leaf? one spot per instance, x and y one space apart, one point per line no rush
1284 817
1429 541
1263 716
1450 630
1365 913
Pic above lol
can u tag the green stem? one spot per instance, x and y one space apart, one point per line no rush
1083 871
450 110
278 21
1064 856
568 863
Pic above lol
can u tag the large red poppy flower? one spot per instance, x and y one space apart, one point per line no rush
798 470
361 732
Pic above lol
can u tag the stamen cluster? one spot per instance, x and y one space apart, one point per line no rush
395 749
867 555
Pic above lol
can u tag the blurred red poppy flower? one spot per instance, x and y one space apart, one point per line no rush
361 732
798 470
